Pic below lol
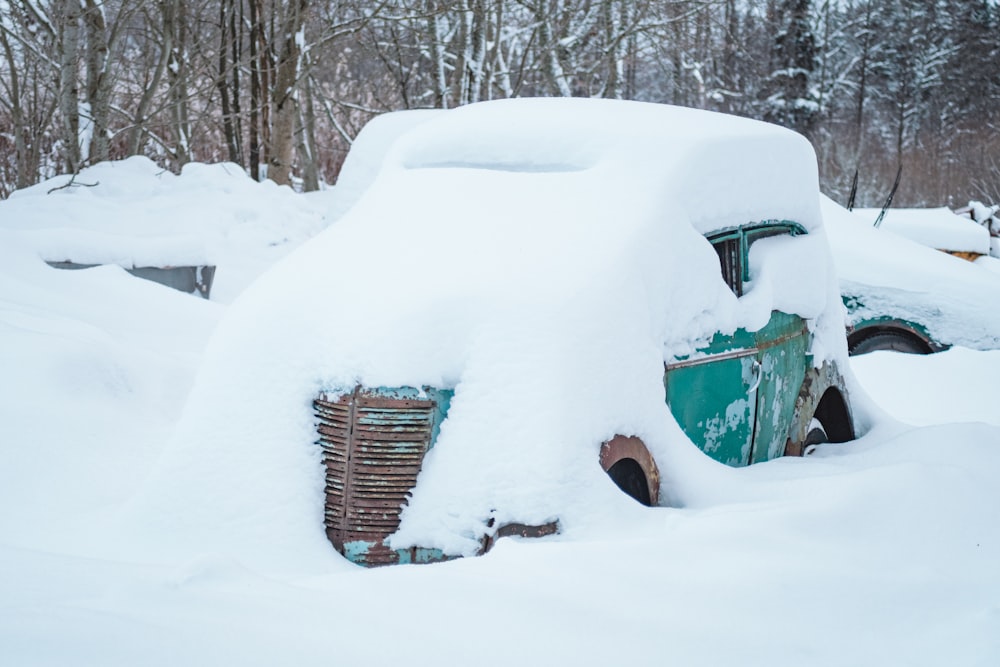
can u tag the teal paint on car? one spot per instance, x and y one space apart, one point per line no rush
735 398
869 333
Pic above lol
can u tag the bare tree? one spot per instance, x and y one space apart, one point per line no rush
290 38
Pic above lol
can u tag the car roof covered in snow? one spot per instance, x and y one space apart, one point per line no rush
722 170
936 228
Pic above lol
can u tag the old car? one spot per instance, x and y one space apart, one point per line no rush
905 296
533 287
938 228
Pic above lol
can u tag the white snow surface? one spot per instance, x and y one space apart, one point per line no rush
545 274
367 153
133 213
955 385
958 301
116 549
936 228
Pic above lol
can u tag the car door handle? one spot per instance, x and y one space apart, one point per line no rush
756 377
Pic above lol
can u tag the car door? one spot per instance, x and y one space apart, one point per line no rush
714 397
783 348
713 394
735 398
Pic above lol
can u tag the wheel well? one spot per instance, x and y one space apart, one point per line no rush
859 336
628 475
832 412
632 468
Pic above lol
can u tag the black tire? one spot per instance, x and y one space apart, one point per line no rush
816 436
889 340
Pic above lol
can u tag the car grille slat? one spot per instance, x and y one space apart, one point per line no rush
372 447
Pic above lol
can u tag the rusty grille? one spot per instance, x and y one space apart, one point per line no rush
373 447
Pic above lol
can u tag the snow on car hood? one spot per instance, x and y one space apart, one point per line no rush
936 228
540 257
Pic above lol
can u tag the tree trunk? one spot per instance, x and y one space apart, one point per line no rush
549 48
178 77
283 97
16 115
226 11
69 102
98 81
437 28
255 91
138 132
612 50
306 144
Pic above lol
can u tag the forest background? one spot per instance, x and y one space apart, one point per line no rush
281 87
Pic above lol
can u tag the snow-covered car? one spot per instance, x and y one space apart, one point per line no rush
903 295
173 229
530 297
937 228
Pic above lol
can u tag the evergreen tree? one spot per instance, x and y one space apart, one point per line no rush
790 97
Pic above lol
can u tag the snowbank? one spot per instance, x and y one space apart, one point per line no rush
96 366
540 257
133 213
957 385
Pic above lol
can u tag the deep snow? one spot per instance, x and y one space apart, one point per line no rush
880 551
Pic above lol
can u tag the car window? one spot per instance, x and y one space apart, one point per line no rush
729 249
756 233
733 246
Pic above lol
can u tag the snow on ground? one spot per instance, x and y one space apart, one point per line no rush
96 365
880 551
991 264
955 385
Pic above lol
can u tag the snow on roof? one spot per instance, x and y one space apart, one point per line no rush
721 170
894 276
540 257
133 213
367 152
936 228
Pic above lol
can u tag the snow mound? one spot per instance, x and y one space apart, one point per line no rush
133 213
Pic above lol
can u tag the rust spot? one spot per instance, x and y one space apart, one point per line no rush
373 444
373 447
517 530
